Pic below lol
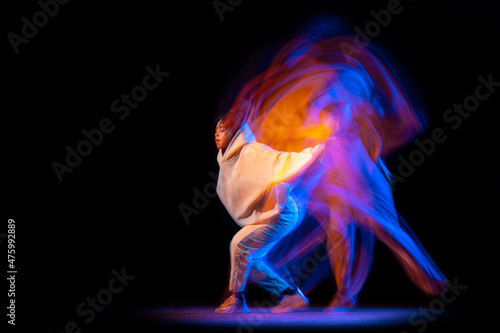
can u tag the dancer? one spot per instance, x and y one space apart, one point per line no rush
255 185
346 99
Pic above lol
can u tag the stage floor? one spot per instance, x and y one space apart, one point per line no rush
203 318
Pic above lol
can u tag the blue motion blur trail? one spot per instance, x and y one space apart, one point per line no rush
314 92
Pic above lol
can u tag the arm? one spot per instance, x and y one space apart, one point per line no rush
288 165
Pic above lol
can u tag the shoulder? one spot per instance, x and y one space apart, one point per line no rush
258 147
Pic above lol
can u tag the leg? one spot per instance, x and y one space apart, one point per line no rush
339 253
350 255
392 230
340 250
248 248
414 260
250 245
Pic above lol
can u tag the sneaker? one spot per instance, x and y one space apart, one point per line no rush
233 305
340 303
290 303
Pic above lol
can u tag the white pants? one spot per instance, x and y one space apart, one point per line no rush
251 244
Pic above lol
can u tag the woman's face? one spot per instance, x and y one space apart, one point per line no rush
222 136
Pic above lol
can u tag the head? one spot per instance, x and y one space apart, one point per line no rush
223 134
229 124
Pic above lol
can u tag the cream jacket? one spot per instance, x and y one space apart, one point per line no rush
253 181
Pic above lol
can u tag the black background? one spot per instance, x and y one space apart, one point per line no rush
119 207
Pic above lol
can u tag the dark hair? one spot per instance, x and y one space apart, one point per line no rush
220 118
236 117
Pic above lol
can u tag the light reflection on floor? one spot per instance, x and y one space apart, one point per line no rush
262 318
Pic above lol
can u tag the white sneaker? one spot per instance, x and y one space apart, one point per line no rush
233 305
290 303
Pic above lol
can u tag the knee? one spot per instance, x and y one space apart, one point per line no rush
242 250
237 247
233 246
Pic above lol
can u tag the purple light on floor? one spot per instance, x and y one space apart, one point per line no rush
263 318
